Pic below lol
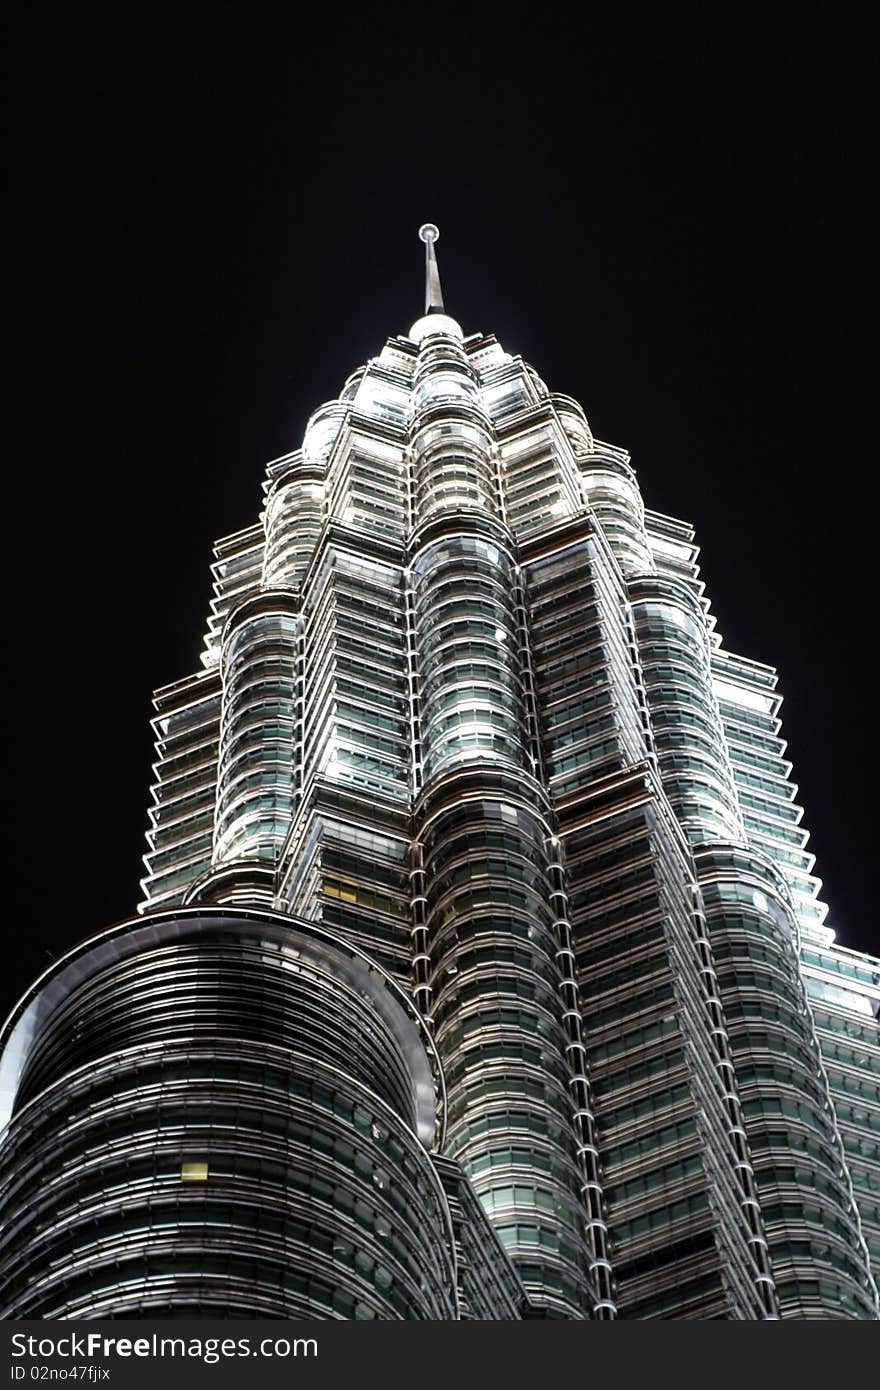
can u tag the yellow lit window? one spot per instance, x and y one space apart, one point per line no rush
194 1172
335 890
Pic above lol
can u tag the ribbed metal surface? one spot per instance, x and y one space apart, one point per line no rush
220 1115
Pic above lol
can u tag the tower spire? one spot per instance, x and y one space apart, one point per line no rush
433 293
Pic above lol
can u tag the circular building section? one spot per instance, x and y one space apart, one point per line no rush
226 1115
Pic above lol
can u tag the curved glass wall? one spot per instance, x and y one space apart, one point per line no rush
611 491
688 734
468 652
294 510
819 1259
497 1015
453 472
322 432
256 764
452 462
221 1116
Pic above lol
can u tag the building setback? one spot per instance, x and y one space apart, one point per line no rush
480 970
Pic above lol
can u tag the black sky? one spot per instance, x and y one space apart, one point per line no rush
665 213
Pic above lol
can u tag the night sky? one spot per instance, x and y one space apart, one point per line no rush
666 216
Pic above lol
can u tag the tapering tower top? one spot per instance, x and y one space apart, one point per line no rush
433 293
435 318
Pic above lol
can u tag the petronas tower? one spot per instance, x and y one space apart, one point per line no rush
480 969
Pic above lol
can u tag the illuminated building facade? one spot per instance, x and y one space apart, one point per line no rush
474 865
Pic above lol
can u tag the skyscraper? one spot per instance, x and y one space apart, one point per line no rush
474 967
